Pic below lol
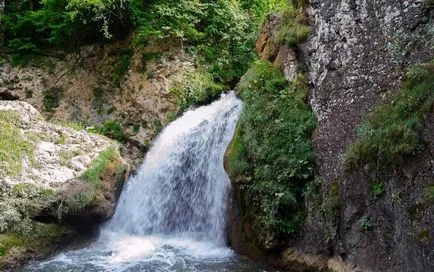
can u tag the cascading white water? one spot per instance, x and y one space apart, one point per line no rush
171 215
181 188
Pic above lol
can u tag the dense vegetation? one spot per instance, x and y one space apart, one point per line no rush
394 131
271 157
220 32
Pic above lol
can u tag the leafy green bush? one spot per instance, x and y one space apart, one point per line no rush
271 156
32 25
112 129
196 88
221 32
394 130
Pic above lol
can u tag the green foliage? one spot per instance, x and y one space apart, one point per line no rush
262 8
112 129
365 223
271 154
14 147
196 88
295 28
430 193
62 139
18 203
32 25
393 132
9 241
331 204
99 165
43 236
220 32
377 189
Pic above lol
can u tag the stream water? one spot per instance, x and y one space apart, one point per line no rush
172 214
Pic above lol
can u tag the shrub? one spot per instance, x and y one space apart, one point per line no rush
112 129
32 25
196 88
271 155
393 132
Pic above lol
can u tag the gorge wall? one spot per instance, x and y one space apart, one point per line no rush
357 55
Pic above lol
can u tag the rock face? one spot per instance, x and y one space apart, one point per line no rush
103 83
55 183
269 47
357 54
60 153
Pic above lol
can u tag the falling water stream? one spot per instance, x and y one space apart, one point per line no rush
172 214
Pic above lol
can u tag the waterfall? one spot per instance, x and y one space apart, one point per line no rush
172 214
181 188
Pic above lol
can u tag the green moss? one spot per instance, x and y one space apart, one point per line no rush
99 165
81 200
13 146
271 156
43 236
365 223
331 204
394 131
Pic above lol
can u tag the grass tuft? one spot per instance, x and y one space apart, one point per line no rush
13 146
99 165
394 131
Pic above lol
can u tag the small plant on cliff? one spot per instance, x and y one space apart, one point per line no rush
271 156
394 131
112 129
295 28
99 165
365 223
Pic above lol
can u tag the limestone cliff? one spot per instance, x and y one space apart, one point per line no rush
356 58
55 182
357 55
